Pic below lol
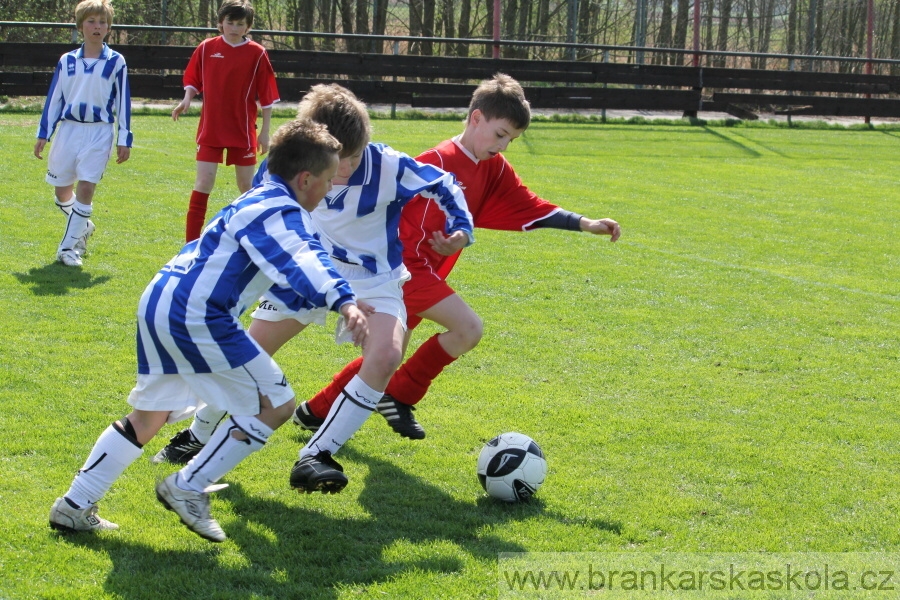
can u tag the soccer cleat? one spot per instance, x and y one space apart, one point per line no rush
304 418
192 507
180 450
69 258
399 416
319 473
66 518
81 245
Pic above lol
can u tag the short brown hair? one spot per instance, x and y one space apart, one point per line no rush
236 10
345 115
87 8
301 145
501 97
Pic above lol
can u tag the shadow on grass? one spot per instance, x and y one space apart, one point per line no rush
57 279
289 552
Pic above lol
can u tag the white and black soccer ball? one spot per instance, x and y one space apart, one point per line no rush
511 467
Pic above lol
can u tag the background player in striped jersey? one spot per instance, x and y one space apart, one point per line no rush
232 72
191 343
498 113
358 225
88 93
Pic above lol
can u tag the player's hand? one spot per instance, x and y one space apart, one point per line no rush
123 153
356 323
262 143
448 245
39 148
180 108
602 227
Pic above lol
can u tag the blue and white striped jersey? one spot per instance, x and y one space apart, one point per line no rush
188 314
89 90
358 223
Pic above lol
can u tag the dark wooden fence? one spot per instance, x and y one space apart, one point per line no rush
433 82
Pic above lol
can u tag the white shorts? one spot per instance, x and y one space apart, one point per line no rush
235 390
383 291
79 152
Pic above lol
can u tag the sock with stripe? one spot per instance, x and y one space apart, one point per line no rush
113 452
76 225
65 207
356 402
224 451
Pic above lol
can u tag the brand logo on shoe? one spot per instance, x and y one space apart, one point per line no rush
93 521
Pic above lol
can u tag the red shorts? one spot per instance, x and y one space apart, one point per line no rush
422 292
241 157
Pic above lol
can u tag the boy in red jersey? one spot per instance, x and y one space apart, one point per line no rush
498 114
232 73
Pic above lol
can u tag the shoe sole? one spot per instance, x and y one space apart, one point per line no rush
165 503
326 486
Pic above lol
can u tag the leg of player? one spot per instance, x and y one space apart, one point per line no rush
78 226
243 175
117 447
187 491
411 381
316 470
185 444
203 186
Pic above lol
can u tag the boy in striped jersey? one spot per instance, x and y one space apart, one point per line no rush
498 114
232 72
88 93
191 343
358 226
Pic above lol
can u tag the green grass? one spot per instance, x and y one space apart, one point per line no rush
723 379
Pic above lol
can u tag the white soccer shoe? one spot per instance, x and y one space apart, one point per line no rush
192 507
66 518
69 258
81 244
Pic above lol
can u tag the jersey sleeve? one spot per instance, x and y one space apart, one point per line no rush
53 105
511 206
266 84
193 73
125 136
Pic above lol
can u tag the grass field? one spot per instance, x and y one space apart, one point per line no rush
722 379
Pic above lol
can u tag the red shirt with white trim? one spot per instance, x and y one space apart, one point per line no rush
231 79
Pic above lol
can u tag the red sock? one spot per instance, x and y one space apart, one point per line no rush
320 404
196 215
411 381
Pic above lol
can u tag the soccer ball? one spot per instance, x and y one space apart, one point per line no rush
511 467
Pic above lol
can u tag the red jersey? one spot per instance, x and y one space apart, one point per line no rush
231 79
494 193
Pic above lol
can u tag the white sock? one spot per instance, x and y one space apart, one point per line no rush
76 225
66 207
354 405
205 421
111 455
224 452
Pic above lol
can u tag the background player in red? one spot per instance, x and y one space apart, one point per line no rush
232 72
498 113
